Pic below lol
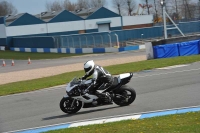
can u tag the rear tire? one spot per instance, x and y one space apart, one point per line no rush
65 105
125 96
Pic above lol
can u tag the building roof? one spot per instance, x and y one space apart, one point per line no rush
102 13
65 16
11 18
48 16
22 19
85 12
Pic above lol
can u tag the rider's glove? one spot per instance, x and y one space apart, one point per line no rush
83 78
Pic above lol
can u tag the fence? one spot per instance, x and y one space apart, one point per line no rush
106 39
115 38
94 40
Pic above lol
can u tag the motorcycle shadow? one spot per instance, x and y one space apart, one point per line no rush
79 113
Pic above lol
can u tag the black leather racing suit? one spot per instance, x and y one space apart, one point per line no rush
100 76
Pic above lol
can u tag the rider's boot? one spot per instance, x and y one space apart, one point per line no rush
109 98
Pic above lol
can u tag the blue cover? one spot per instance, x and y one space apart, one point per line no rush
166 51
189 48
199 46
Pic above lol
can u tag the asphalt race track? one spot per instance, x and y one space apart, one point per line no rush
22 64
156 90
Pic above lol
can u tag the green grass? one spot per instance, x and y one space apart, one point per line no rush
34 56
180 123
36 84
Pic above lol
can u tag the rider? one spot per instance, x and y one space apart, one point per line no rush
100 75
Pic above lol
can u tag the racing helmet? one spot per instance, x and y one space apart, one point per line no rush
89 67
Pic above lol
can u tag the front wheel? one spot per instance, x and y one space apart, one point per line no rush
125 96
70 105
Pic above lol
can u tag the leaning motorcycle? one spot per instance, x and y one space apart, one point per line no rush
78 95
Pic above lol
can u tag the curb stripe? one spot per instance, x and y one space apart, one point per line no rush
113 119
79 50
45 129
158 114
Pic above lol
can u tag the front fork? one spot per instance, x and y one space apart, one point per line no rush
66 96
73 102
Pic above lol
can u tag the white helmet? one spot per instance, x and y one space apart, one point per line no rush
89 67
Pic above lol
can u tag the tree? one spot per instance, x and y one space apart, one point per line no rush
182 8
119 5
130 6
7 8
188 9
156 10
97 3
148 6
83 4
54 6
176 6
68 5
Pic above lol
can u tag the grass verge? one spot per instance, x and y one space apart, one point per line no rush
36 84
33 56
179 123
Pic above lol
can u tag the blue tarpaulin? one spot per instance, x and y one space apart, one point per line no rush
189 48
199 46
166 51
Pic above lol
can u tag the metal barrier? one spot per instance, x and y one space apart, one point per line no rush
106 39
94 40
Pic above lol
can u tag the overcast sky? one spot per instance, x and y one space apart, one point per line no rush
37 6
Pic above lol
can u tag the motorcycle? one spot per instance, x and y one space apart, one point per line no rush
79 96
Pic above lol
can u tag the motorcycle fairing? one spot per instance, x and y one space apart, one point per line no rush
125 78
69 87
89 99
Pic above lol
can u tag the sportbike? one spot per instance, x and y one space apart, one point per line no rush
79 96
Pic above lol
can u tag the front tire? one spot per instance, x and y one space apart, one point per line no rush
65 105
125 96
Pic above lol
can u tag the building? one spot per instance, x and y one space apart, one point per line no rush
67 23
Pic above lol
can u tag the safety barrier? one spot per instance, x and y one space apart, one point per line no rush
189 48
177 49
78 50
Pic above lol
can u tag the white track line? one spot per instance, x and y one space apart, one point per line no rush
108 117
167 73
171 67
61 86
37 91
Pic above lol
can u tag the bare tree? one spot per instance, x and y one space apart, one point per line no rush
97 3
148 6
83 4
118 4
7 8
156 10
187 5
176 6
193 10
54 6
186 11
130 6
177 9
68 5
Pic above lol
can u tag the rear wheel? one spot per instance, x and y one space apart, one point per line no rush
70 105
125 96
